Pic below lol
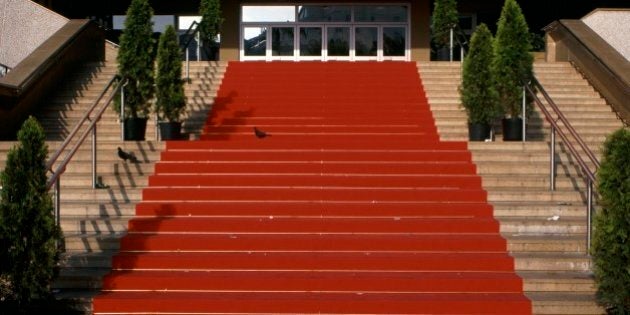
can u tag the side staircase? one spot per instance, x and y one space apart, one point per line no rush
350 204
93 221
546 231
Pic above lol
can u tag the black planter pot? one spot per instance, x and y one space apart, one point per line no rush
512 129
135 129
478 132
170 130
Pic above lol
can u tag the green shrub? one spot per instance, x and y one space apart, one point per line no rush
611 238
444 18
136 57
170 101
27 226
478 94
513 61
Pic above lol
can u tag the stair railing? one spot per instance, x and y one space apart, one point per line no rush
191 33
55 179
556 128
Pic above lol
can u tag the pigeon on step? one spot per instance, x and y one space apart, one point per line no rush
260 134
127 156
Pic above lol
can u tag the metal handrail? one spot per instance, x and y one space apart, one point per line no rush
193 30
55 178
4 69
555 127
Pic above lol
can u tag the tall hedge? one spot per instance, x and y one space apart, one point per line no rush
444 18
513 61
170 101
136 57
27 226
611 238
478 94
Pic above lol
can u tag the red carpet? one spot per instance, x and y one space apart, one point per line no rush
351 205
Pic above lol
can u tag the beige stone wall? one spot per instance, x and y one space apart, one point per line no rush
613 25
24 25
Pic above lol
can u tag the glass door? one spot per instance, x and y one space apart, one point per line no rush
282 43
338 43
311 43
366 43
394 42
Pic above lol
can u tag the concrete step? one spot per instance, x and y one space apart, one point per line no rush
539 209
524 243
576 282
561 262
564 303
573 226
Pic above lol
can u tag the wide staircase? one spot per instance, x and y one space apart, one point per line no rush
350 204
546 231
93 221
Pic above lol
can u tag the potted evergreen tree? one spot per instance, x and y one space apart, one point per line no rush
611 247
478 94
135 63
512 66
29 237
443 19
211 20
170 100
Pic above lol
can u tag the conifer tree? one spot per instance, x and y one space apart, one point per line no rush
478 94
513 61
611 238
27 226
136 57
444 18
211 19
170 100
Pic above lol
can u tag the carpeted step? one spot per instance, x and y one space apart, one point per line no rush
350 205
312 260
312 303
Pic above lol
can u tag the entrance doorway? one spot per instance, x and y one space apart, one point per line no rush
330 32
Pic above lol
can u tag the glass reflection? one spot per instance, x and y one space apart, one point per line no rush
380 13
338 41
394 41
365 41
324 13
255 41
282 41
268 13
310 41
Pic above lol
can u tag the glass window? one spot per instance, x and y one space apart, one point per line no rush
365 41
159 22
255 41
338 41
324 13
394 41
184 22
282 41
268 13
380 13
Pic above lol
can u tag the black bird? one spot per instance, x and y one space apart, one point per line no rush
127 156
260 134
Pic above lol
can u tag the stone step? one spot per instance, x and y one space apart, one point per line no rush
577 282
564 303
576 262
546 210
574 226
519 242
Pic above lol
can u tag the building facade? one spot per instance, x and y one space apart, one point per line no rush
327 30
